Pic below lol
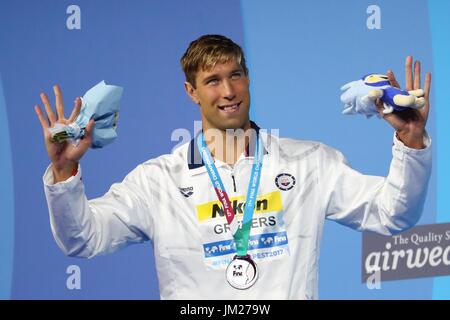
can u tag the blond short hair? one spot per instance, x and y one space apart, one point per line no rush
208 50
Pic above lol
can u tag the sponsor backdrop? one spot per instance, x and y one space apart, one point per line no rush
299 54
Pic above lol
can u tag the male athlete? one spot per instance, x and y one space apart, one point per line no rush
236 213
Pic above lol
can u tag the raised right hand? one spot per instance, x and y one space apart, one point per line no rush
63 155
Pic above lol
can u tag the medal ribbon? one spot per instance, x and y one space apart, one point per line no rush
240 234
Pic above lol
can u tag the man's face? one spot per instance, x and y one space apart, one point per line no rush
223 96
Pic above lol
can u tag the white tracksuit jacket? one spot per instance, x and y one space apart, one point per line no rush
170 201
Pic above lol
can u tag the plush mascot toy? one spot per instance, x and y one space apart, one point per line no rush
359 96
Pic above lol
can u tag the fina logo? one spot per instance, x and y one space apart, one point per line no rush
267 241
187 192
237 272
212 250
285 181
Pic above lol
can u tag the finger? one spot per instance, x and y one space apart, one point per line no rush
427 86
408 73
90 128
417 75
48 109
392 79
42 120
426 109
59 102
380 107
378 103
76 110
86 140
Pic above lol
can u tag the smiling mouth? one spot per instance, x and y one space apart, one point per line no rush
230 107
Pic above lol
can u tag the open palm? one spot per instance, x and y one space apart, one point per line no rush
410 124
63 155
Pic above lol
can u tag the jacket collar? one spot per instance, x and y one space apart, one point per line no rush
195 161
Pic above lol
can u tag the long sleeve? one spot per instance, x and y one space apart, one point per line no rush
85 228
385 205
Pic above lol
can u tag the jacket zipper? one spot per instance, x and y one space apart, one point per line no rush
234 182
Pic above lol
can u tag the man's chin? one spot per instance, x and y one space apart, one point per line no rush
234 125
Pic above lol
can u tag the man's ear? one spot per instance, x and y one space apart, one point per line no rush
191 91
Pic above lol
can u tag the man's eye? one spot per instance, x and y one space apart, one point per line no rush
236 75
212 82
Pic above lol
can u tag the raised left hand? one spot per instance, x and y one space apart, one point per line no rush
409 124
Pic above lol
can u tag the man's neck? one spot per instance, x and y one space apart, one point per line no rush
228 145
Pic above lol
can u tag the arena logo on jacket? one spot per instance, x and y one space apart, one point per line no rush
268 238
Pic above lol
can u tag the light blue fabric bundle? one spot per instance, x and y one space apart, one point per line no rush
100 103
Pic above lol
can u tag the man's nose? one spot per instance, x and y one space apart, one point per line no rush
228 90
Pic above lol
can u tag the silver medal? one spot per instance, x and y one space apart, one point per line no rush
242 272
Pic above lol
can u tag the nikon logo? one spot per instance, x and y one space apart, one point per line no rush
238 207
269 202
